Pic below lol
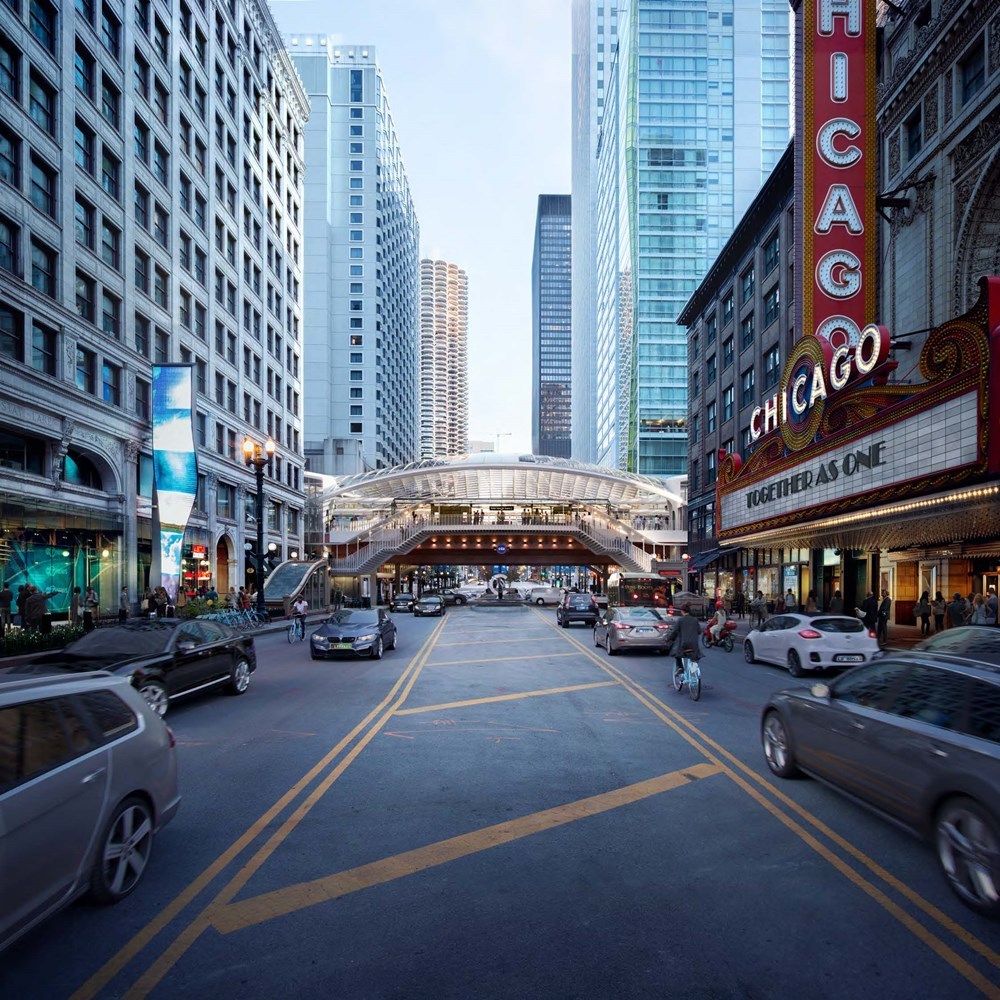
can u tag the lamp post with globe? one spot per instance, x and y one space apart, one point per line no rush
259 456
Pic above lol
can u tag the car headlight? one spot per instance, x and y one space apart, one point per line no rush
367 637
320 640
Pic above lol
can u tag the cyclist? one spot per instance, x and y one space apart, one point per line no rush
299 609
718 621
686 635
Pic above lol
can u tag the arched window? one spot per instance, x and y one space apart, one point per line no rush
79 470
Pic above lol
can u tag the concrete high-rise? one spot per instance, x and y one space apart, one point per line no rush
150 212
444 365
695 114
361 267
551 328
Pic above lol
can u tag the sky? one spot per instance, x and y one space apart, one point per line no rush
480 95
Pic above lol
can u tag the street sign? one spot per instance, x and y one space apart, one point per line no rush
501 549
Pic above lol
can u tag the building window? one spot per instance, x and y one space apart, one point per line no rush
161 294
111 31
710 415
142 399
772 254
728 395
111 240
10 334
747 331
914 132
357 92
10 237
161 226
111 172
772 302
747 387
85 366
357 376
42 23
85 296
43 349
10 159
111 384
10 71
141 206
695 423
141 335
42 104
140 140
111 315
356 428
710 467
711 370
83 71
110 103
161 346
727 353
83 147
772 367
746 285
83 222
43 187
972 70
727 309
43 269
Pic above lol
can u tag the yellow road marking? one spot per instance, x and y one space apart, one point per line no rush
142 939
498 659
674 720
280 902
506 697
493 642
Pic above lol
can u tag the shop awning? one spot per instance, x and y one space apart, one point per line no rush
706 558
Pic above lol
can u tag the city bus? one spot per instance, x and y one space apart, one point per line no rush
638 590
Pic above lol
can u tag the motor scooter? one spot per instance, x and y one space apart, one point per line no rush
725 636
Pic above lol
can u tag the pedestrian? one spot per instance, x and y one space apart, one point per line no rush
812 607
231 598
884 609
740 602
6 599
147 603
182 598
758 608
956 611
91 609
499 590
922 613
76 607
212 594
868 612
779 605
22 596
991 605
124 606
160 601
36 609
978 616
938 607
837 603
790 601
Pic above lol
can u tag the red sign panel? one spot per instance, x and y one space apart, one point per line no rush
836 159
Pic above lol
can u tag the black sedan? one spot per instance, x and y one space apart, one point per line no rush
448 596
402 602
430 604
355 632
164 659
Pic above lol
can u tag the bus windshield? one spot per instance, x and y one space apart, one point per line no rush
638 590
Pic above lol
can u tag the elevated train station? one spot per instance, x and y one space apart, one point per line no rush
392 529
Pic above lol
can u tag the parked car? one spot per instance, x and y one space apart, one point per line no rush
165 658
806 642
432 604
88 777
402 602
354 632
449 596
915 737
545 595
633 628
975 642
577 608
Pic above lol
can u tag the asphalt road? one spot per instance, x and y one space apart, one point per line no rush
497 809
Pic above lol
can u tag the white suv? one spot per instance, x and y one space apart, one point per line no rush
546 595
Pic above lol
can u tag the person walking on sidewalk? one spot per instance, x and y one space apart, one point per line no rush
938 606
922 613
837 603
956 611
883 619
868 612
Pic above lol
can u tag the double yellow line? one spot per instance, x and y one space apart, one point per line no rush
752 783
364 732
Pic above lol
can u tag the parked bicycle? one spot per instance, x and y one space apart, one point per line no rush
688 673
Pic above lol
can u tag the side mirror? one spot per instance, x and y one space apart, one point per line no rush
185 645
820 690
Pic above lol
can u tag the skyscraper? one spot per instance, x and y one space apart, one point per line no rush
551 328
595 35
150 212
695 114
361 267
444 365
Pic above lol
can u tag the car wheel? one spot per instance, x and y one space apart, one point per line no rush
461 601
539 602
607 645
794 664
777 747
392 643
564 623
156 696
239 677
597 642
968 846
748 653
377 649
123 851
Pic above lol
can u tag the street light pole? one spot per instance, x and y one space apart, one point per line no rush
260 457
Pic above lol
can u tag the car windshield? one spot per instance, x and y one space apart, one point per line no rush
122 641
429 600
579 602
643 615
838 625
352 618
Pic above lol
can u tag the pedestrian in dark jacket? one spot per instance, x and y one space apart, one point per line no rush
6 599
868 612
36 607
956 611
883 618
124 605
22 596
687 633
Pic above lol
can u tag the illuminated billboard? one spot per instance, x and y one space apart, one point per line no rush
175 465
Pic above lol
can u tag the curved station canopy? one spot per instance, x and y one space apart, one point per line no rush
488 477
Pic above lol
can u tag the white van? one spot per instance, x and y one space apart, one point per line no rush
545 595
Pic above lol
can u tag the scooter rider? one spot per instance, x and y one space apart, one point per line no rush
718 622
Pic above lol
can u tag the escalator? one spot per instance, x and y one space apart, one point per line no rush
296 578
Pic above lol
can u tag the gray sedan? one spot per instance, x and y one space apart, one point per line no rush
633 628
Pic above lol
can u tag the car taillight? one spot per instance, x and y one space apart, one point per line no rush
810 633
662 628
621 626
872 634
171 737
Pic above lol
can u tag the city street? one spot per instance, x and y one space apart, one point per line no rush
498 809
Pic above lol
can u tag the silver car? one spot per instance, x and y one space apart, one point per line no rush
916 737
88 776
633 628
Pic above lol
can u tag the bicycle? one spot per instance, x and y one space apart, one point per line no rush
690 674
297 629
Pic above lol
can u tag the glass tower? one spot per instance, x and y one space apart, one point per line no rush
551 312
696 113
